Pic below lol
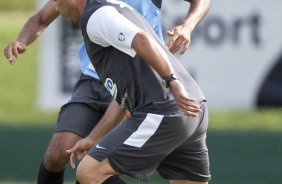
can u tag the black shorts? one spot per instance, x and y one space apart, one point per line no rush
174 145
88 103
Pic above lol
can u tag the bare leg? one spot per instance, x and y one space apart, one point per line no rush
56 158
91 171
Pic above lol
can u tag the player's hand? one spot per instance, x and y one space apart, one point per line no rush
179 39
79 150
13 50
187 104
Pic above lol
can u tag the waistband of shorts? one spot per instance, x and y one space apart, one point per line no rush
165 108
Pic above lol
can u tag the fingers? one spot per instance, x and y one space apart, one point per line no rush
72 160
175 46
170 33
75 153
81 156
72 150
72 156
187 104
179 40
178 43
171 40
22 48
189 107
185 47
8 53
13 50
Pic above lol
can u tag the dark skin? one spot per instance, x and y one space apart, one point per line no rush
32 29
180 36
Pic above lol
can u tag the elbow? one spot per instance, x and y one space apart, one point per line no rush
140 40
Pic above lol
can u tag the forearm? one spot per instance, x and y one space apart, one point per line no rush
112 117
152 53
30 31
197 11
37 23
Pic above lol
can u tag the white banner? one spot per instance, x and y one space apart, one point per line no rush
232 50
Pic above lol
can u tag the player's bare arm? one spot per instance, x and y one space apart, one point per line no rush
35 25
180 36
112 117
142 44
154 55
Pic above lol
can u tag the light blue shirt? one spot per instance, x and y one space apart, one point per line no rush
145 7
85 63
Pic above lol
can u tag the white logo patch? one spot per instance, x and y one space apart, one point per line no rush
123 100
100 147
111 87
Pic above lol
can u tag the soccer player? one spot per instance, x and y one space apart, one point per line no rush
79 115
167 118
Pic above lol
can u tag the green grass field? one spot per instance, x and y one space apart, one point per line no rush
251 137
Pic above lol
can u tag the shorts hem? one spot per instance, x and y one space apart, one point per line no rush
67 130
190 178
141 177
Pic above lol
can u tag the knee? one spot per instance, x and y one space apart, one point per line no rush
85 173
56 158
55 155
84 176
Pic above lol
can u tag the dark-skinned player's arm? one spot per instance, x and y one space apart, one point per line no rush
153 54
180 36
34 26
112 117
100 30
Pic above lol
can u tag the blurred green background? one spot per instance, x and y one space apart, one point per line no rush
245 146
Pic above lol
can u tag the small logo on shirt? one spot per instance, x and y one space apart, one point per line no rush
121 37
123 100
100 147
111 87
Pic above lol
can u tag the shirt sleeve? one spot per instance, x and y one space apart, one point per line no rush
108 27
